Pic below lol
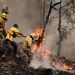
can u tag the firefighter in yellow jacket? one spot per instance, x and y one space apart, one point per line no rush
27 44
12 33
3 20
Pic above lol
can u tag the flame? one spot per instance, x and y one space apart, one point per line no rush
46 53
63 65
41 44
38 31
67 67
34 48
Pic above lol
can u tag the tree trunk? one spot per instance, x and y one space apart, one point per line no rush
59 30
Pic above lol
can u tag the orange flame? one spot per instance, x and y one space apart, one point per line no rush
34 48
38 31
46 53
67 67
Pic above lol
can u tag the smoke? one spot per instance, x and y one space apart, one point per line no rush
26 13
40 60
43 59
23 12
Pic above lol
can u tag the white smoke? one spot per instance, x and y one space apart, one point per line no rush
39 60
26 13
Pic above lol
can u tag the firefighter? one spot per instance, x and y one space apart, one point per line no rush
12 33
3 20
27 44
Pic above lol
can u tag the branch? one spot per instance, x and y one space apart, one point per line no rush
66 10
50 9
56 4
47 17
55 8
66 4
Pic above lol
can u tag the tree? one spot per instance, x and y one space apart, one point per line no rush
66 10
51 6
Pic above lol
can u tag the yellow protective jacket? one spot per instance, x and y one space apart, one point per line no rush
27 43
11 32
2 21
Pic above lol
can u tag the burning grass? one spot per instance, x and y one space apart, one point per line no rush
43 63
43 57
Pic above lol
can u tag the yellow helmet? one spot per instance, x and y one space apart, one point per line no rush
4 15
33 35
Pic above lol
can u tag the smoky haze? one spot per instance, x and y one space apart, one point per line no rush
26 13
